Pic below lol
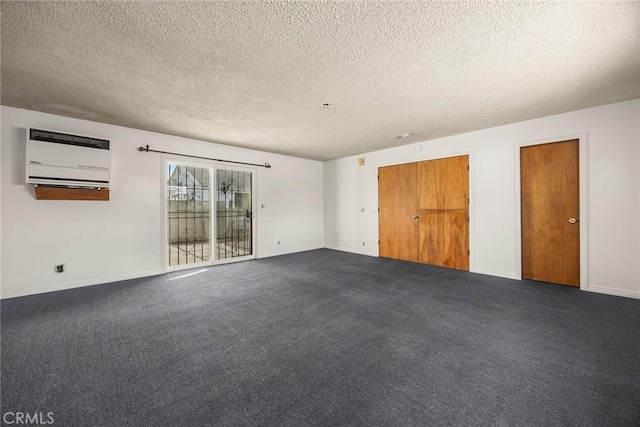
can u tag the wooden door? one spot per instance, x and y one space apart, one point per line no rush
397 198
444 212
549 177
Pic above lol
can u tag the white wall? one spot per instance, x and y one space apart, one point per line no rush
1 206
107 241
611 135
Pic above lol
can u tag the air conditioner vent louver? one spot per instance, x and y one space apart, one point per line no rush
64 138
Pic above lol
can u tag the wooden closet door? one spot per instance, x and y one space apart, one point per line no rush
444 212
397 199
550 212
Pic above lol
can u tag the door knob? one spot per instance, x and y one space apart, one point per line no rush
572 220
415 217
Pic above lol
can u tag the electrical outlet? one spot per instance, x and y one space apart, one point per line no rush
59 268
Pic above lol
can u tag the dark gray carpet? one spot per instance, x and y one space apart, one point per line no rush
323 338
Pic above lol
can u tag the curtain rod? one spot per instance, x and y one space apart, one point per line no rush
146 149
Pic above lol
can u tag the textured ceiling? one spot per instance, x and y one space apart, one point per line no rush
256 74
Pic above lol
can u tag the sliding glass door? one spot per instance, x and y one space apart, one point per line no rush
234 214
188 215
189 204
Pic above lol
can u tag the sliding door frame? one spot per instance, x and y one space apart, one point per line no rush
213 167
254 174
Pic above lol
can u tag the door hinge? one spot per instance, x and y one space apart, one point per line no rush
469 252
378 241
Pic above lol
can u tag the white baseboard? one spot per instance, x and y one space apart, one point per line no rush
73 285
591 288
350 250
59 287
496 274
288 251
613 291
64 286
374 254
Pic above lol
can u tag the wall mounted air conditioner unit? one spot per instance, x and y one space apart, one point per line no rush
61 159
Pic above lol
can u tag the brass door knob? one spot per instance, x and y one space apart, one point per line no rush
415 217
572 220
